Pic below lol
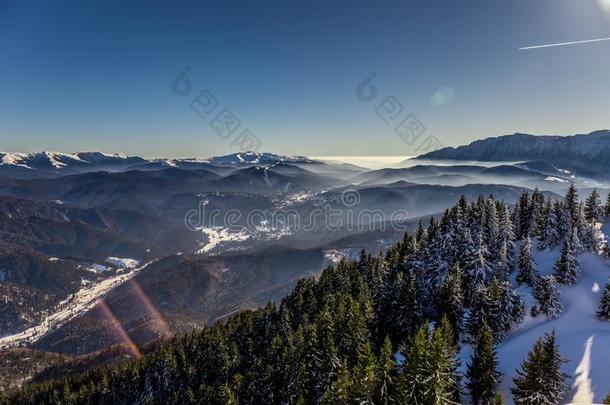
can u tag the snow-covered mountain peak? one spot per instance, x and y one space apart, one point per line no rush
255 158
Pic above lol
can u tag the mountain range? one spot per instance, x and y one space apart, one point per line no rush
68 221
584 151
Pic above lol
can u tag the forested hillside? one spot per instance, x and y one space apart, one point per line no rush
387 328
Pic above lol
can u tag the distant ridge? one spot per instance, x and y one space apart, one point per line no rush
585 150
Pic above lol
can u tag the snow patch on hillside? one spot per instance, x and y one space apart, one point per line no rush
123 263
556 179
218 235
332 257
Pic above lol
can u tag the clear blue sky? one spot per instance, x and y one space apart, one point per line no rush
89 75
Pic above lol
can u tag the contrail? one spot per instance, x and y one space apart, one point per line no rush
564 43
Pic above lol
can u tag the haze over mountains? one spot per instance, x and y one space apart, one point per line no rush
64 216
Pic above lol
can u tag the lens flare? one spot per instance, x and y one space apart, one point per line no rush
156 316
118 329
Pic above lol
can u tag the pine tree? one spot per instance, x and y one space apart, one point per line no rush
536 212
407 315
554 378
571 203
525 216
450 303
607 206
477 270
429 373
505 308
563 219
549 232
503 265
365 377
567 268
593 208
547 296
586 233
415 368
491 228
527 266
603 312
540 380
446 388
339 390
386 374
482 371
507 231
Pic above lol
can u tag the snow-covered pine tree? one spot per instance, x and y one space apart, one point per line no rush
476 269
593 208
503 264
603 312
571 202
539 381
527 266
482 269
506 234
542 218
479 313
482 373
407 315
420 235
549 232
516 220
567 267
607 206
525 216
505 308
491 229
450 302
536 212
555 384
529 386
545 292
586 233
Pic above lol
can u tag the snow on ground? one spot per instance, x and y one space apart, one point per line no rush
98 268
121 263
218 235
68 309
557 179
334 256
582 339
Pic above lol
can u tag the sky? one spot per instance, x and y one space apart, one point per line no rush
103 75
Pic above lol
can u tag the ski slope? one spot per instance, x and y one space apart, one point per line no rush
583 340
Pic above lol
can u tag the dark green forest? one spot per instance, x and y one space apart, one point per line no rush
384 329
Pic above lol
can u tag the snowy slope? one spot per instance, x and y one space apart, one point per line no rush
255 158
582 339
